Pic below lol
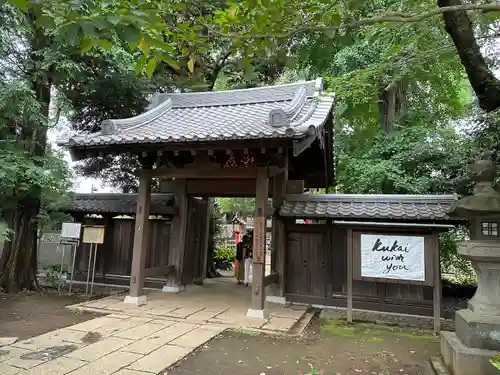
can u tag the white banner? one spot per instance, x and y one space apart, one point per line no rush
71 230
392 257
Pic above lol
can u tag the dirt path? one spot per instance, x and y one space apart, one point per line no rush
25 315
328 345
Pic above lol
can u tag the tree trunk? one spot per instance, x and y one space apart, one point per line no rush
459 26
19 258
392 103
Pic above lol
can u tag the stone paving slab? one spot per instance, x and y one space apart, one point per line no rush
126 371
161 358
59 366
63 335
279 324
9 370
7 352
99 349
4 341
160 338
108 364
143 330
195 338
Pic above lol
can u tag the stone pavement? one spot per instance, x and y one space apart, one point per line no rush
142 340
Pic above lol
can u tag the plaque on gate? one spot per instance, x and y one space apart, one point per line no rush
259 243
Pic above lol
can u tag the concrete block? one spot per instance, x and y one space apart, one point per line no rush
462 360
257 314
138 301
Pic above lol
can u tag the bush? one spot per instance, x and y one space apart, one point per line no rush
224 258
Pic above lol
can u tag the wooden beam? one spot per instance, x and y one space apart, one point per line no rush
278 235
273 278
163 271
213 173
140 238
221 188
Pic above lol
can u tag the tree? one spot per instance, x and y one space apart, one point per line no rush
28 168
161 29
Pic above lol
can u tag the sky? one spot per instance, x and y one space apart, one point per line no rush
80 184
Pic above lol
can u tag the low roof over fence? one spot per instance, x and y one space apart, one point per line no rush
416 208
112 203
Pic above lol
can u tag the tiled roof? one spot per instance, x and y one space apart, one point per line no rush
118 204
292 110
365 207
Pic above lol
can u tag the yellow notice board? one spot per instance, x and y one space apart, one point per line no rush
93 234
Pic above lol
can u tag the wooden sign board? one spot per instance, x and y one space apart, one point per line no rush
259 241
392 257
71 230
93 234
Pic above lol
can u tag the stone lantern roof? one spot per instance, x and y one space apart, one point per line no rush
486 200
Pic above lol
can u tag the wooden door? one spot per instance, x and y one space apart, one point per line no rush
308 262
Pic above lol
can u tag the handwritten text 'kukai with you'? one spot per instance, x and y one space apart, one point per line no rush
395 253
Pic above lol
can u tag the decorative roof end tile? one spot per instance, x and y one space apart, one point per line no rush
278 118
108 127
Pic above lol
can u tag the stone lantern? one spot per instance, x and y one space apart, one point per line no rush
477 328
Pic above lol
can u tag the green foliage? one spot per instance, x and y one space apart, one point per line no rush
451 261
495 361
224 258
412 160
237 206
53 273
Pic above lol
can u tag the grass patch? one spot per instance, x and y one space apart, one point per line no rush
248 331
371 332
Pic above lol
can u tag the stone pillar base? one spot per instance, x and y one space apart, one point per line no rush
478 331
173 288
276 299
257 314
461 360
140 300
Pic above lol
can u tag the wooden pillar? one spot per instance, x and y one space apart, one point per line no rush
436 299
278 239
256 309
178 238
206 238
349 275
137 295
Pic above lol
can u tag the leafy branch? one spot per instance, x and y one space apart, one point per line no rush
389 17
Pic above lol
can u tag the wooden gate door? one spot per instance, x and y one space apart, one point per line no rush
308 262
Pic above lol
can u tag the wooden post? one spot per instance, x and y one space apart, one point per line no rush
206 238
256 309
178 238
278 231
436 299
349 275
137 295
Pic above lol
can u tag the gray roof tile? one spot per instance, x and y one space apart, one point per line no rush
118 204
365 207
211 116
